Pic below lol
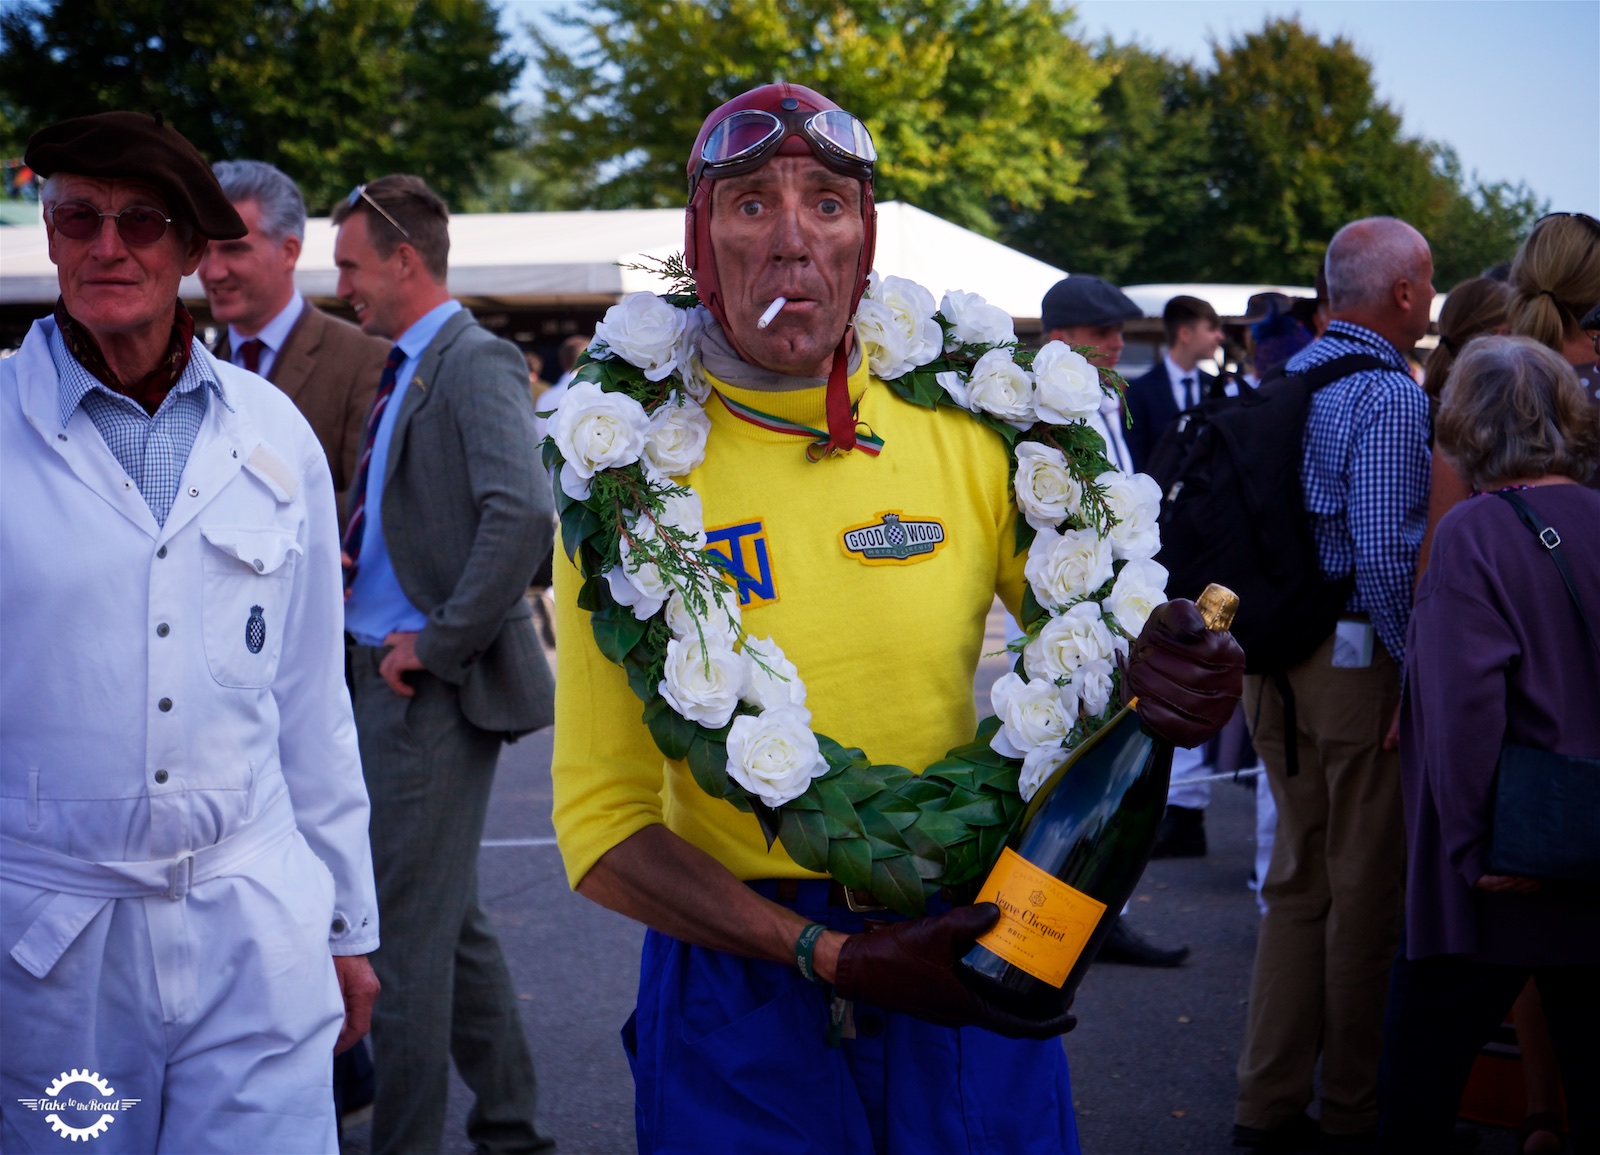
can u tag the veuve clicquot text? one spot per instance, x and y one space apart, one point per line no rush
1083 844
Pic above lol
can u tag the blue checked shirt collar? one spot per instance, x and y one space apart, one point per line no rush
152 450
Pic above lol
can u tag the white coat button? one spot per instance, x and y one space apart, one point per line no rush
259 564
193 492
161 777
165 705
163 630
162 552
339 926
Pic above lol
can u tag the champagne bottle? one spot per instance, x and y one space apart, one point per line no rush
1076 857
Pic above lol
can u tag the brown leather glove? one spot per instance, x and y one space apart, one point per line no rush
1187 678
911 967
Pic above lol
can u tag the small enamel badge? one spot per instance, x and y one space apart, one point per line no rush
891 538
255 631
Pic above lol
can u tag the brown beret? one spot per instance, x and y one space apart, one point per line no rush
136 146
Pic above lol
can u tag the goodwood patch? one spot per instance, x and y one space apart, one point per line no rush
891 538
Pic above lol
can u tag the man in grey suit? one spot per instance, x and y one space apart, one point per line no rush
327 366
449 514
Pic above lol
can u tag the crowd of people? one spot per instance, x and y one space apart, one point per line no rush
266 631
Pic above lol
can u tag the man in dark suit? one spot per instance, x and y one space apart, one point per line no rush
449 515
327 366
1176 383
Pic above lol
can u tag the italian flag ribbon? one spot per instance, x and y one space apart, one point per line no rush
866 440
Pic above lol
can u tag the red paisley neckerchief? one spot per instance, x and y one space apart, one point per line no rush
151 389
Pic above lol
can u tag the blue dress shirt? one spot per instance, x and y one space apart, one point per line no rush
377 606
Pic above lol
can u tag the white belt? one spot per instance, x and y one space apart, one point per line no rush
83 888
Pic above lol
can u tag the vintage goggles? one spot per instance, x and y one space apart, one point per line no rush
138 225
747 139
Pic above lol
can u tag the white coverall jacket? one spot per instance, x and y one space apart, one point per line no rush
183 821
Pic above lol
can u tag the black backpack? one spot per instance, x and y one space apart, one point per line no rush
1232 512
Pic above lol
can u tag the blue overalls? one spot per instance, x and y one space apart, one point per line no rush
729 1054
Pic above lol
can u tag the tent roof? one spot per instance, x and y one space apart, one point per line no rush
532 259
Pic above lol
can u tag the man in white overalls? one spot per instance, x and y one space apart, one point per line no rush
186 893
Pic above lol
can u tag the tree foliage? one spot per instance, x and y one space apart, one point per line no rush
971 102
1244 171
334 92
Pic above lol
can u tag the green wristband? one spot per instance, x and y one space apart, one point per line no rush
805 947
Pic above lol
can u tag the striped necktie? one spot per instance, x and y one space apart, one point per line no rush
358 519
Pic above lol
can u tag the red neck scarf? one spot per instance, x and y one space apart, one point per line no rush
151 389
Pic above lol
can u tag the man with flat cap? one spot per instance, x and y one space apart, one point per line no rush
186 893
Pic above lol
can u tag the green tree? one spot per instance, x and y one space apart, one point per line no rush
1244 171
971 102
332 91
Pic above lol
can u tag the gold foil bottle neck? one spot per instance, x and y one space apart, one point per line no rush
1217 605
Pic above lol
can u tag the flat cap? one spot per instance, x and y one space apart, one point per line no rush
136 146
1086 300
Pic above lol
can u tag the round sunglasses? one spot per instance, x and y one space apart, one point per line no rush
137 224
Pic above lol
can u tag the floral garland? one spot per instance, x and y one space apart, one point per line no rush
733 705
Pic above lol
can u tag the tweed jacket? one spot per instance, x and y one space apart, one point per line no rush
330 370
468 516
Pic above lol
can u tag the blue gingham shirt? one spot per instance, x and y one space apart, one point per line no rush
152 450
1365 476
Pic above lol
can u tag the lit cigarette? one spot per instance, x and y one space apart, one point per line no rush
772 311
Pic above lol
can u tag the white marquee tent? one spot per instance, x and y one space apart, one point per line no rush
554 259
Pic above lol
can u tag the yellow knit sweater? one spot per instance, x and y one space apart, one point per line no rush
886 646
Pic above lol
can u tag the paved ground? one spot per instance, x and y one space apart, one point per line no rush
1152 1059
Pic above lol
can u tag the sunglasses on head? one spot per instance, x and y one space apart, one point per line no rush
359 193
136 225
1584 217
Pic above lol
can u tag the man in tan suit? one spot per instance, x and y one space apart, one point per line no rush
328 367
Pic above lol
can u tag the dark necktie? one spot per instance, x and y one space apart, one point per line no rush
1189 399
251 352
358 520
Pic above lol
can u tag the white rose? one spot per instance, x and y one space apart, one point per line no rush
1066 642
722 622
690 367
1066 567
1002 388
638 582
644 331
771 679
1140 588
681 510
1047 493
955 386
1032 714
675 440
1092 684
1040 763
1135 499
702 680
774 754
596 430
899 333
1066 386
973 321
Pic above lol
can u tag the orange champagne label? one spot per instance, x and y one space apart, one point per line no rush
1044 923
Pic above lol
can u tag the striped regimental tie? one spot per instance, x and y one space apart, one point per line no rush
358 516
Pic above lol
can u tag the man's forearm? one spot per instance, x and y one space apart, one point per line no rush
657 878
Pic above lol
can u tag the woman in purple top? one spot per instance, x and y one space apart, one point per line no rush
1496 653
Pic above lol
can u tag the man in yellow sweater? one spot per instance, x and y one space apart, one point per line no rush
729 1042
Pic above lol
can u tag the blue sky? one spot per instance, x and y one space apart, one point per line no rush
1513 85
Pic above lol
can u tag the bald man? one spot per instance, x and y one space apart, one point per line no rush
1333 891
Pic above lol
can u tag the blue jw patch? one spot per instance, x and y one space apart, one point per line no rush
747 557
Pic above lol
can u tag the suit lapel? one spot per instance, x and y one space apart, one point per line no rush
417 389
293 365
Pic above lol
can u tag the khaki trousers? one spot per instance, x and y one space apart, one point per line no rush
1334 896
